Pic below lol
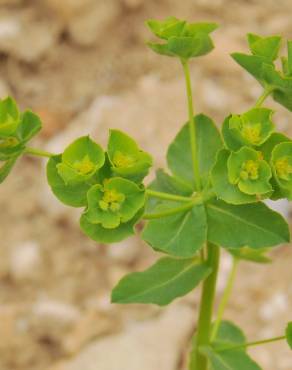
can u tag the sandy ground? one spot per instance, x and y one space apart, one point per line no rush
84 67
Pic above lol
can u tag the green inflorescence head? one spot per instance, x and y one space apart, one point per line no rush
249 171
183 40
80 161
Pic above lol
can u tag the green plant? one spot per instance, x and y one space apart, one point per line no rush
210 198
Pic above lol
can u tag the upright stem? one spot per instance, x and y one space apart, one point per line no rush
192 125
225 298
206 307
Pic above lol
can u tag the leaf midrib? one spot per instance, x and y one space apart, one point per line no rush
255 226
157 287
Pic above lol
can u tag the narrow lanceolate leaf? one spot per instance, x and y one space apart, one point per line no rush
180 235
229 360
179 155
289 334
168 279
254 225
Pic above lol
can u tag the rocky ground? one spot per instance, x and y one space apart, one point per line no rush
84 67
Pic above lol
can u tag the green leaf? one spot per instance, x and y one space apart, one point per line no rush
253 64
126 158
267 148
6 167
179 157
102 235
71 195
226 191
254 225
180 235
171 26
251 255
189 47
229 334
9 117
193 29
267 47
163 282
166 183
29 126
117 201
229 359
289 334
80 161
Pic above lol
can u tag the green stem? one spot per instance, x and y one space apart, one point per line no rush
252 344
168 212
38 152
192 125
225 298
267 91
206 307
167 196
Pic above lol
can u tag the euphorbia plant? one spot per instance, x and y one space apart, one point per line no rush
211 197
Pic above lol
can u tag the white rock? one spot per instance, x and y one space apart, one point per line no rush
274 307
154 344
125 251
25 38
57 311
26 261
91 25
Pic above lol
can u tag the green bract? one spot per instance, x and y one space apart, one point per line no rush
80 161
125 157
249 171
183 40
9 117
115 202
282 166
252 128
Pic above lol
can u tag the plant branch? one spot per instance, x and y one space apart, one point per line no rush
253 344
167 196
225 298
267 91
168 212
206 307
192 125
38 152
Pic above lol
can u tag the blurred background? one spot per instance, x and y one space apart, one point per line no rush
83 66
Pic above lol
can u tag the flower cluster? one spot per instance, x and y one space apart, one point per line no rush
182 39
256 162
108 184
16 129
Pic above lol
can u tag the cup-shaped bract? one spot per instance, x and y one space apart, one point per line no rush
183 40
80 161
249 171
116 201
267 47
9 117
126 158
282 166
252 128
